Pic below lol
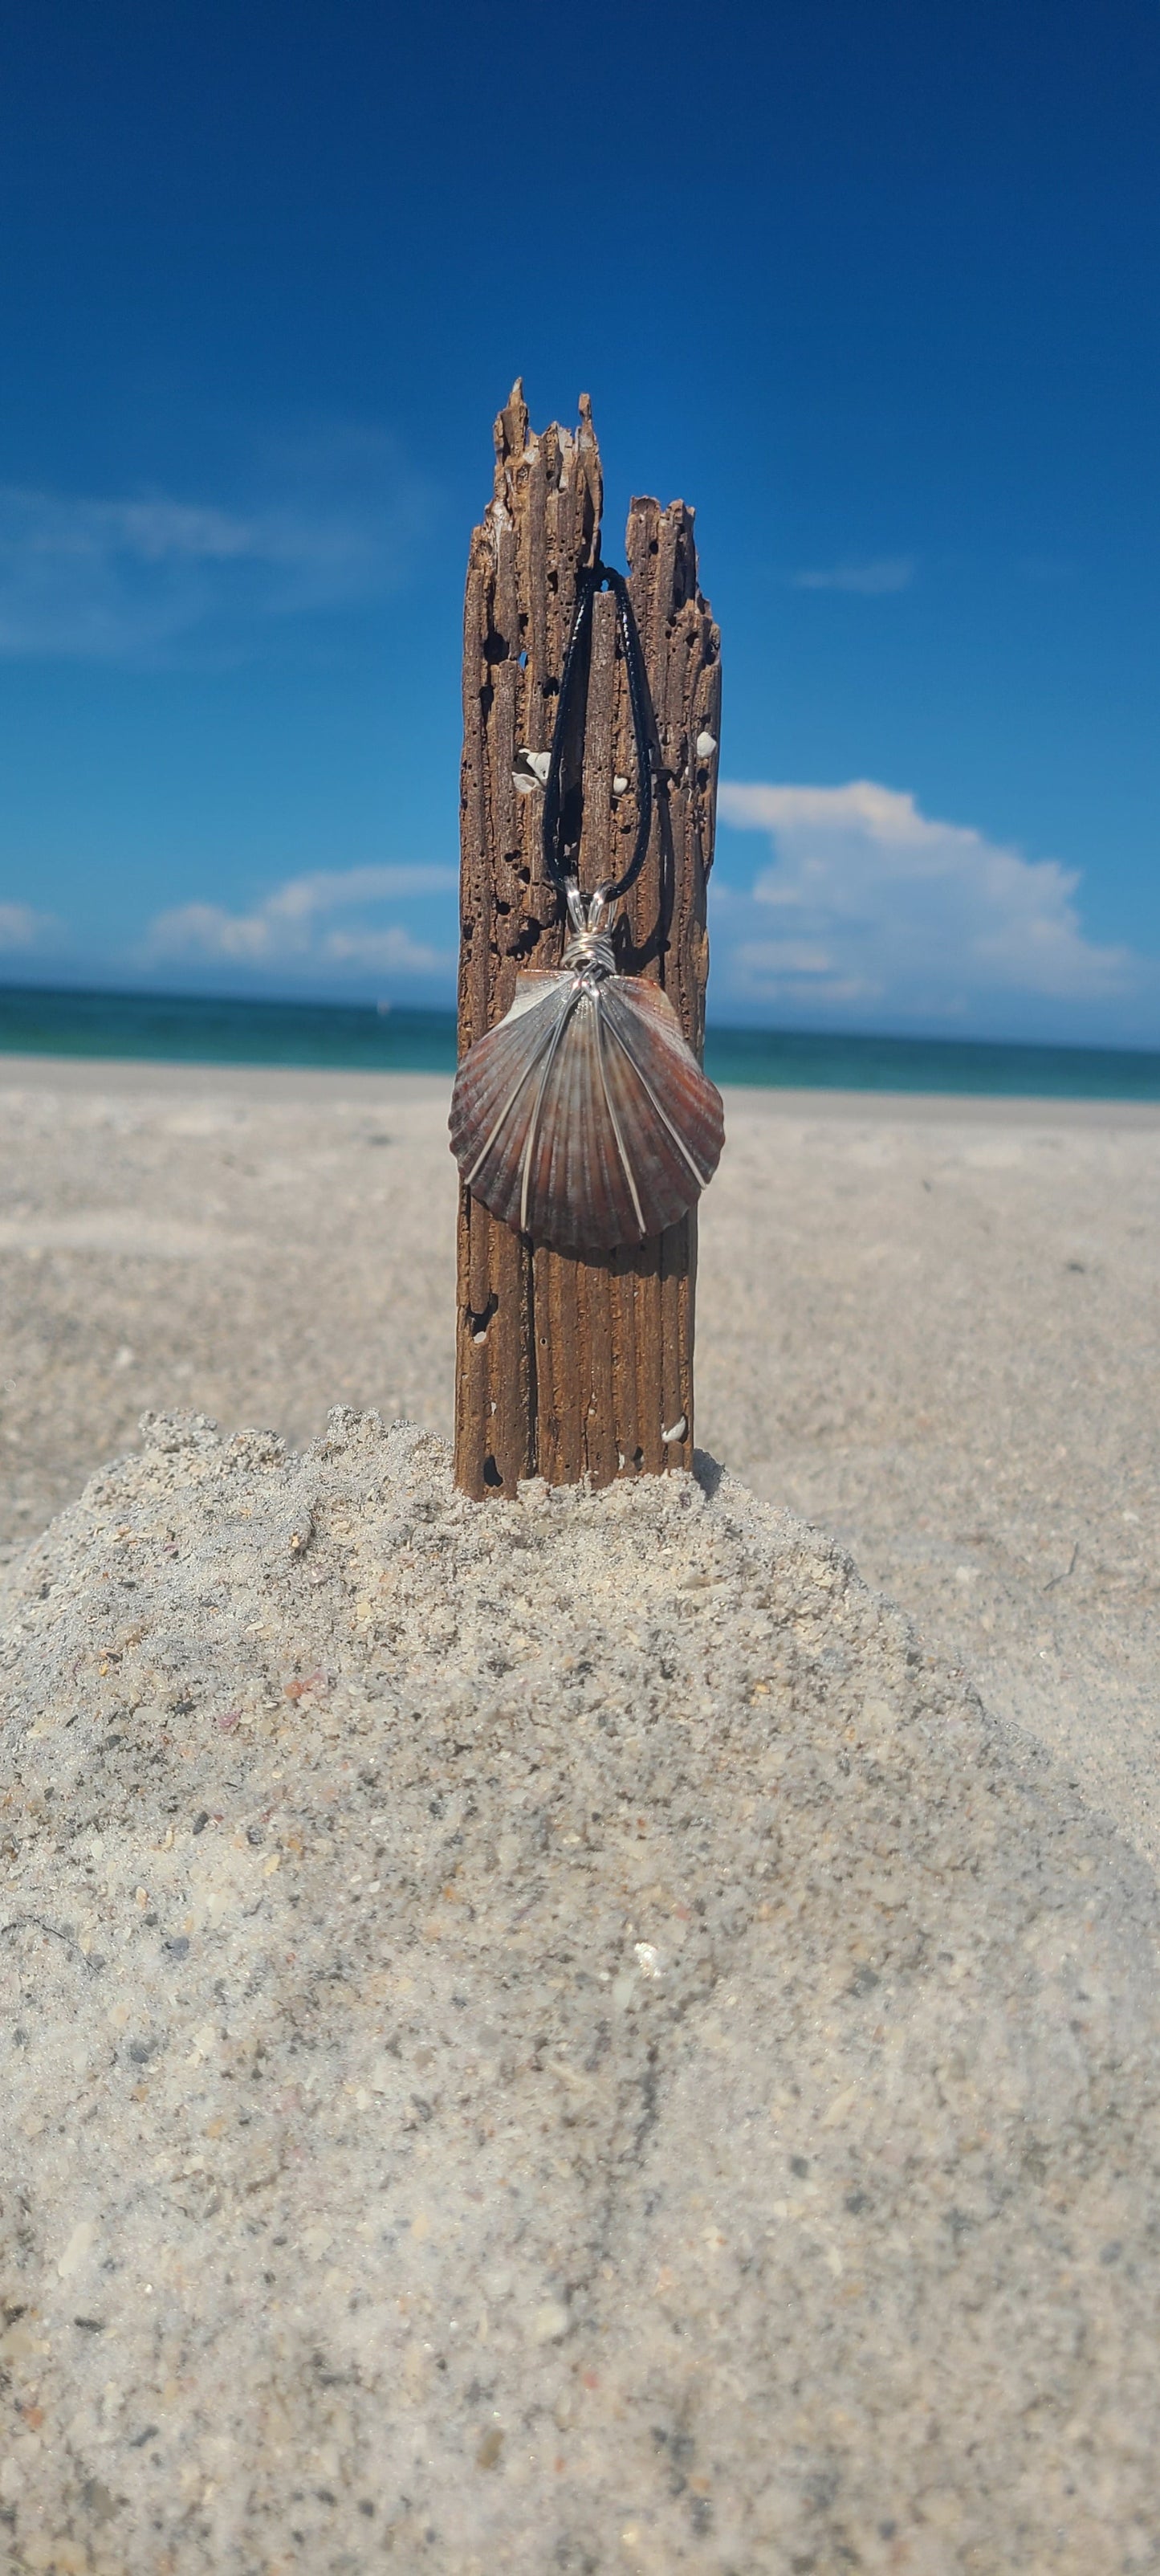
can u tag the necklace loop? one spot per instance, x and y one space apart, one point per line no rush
589 580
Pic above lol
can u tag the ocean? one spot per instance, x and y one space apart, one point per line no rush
181 1028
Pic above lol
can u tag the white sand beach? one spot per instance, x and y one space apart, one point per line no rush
930 1326
574 2033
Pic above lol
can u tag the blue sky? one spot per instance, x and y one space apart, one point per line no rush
874 286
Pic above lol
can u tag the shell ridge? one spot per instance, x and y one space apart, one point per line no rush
662 1114
550 1057
615 1121
546 1044
526 998
565 1170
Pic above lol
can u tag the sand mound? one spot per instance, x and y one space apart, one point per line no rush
548 2037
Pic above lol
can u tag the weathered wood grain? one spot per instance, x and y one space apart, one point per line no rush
568 1367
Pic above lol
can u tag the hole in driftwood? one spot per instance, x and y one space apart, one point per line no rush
491 1474
477 1324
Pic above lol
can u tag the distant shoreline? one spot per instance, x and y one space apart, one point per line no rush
58 1024
304 1086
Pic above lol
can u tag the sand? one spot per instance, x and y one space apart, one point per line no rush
550 2037
568 2035
932 1327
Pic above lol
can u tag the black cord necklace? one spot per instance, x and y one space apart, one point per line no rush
576 663
583 1118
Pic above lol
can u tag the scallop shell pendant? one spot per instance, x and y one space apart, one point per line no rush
583 1119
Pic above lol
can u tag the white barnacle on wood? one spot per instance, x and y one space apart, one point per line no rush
706 745
530 771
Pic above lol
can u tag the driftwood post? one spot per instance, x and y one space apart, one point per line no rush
570 1367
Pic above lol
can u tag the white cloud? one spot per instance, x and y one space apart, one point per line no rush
873 579
874 907
286 931
125 578
389 952
21 927
330 889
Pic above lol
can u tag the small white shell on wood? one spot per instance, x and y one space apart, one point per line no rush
583 1119
530 770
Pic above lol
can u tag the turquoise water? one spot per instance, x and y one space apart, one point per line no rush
181 1028
187 1029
